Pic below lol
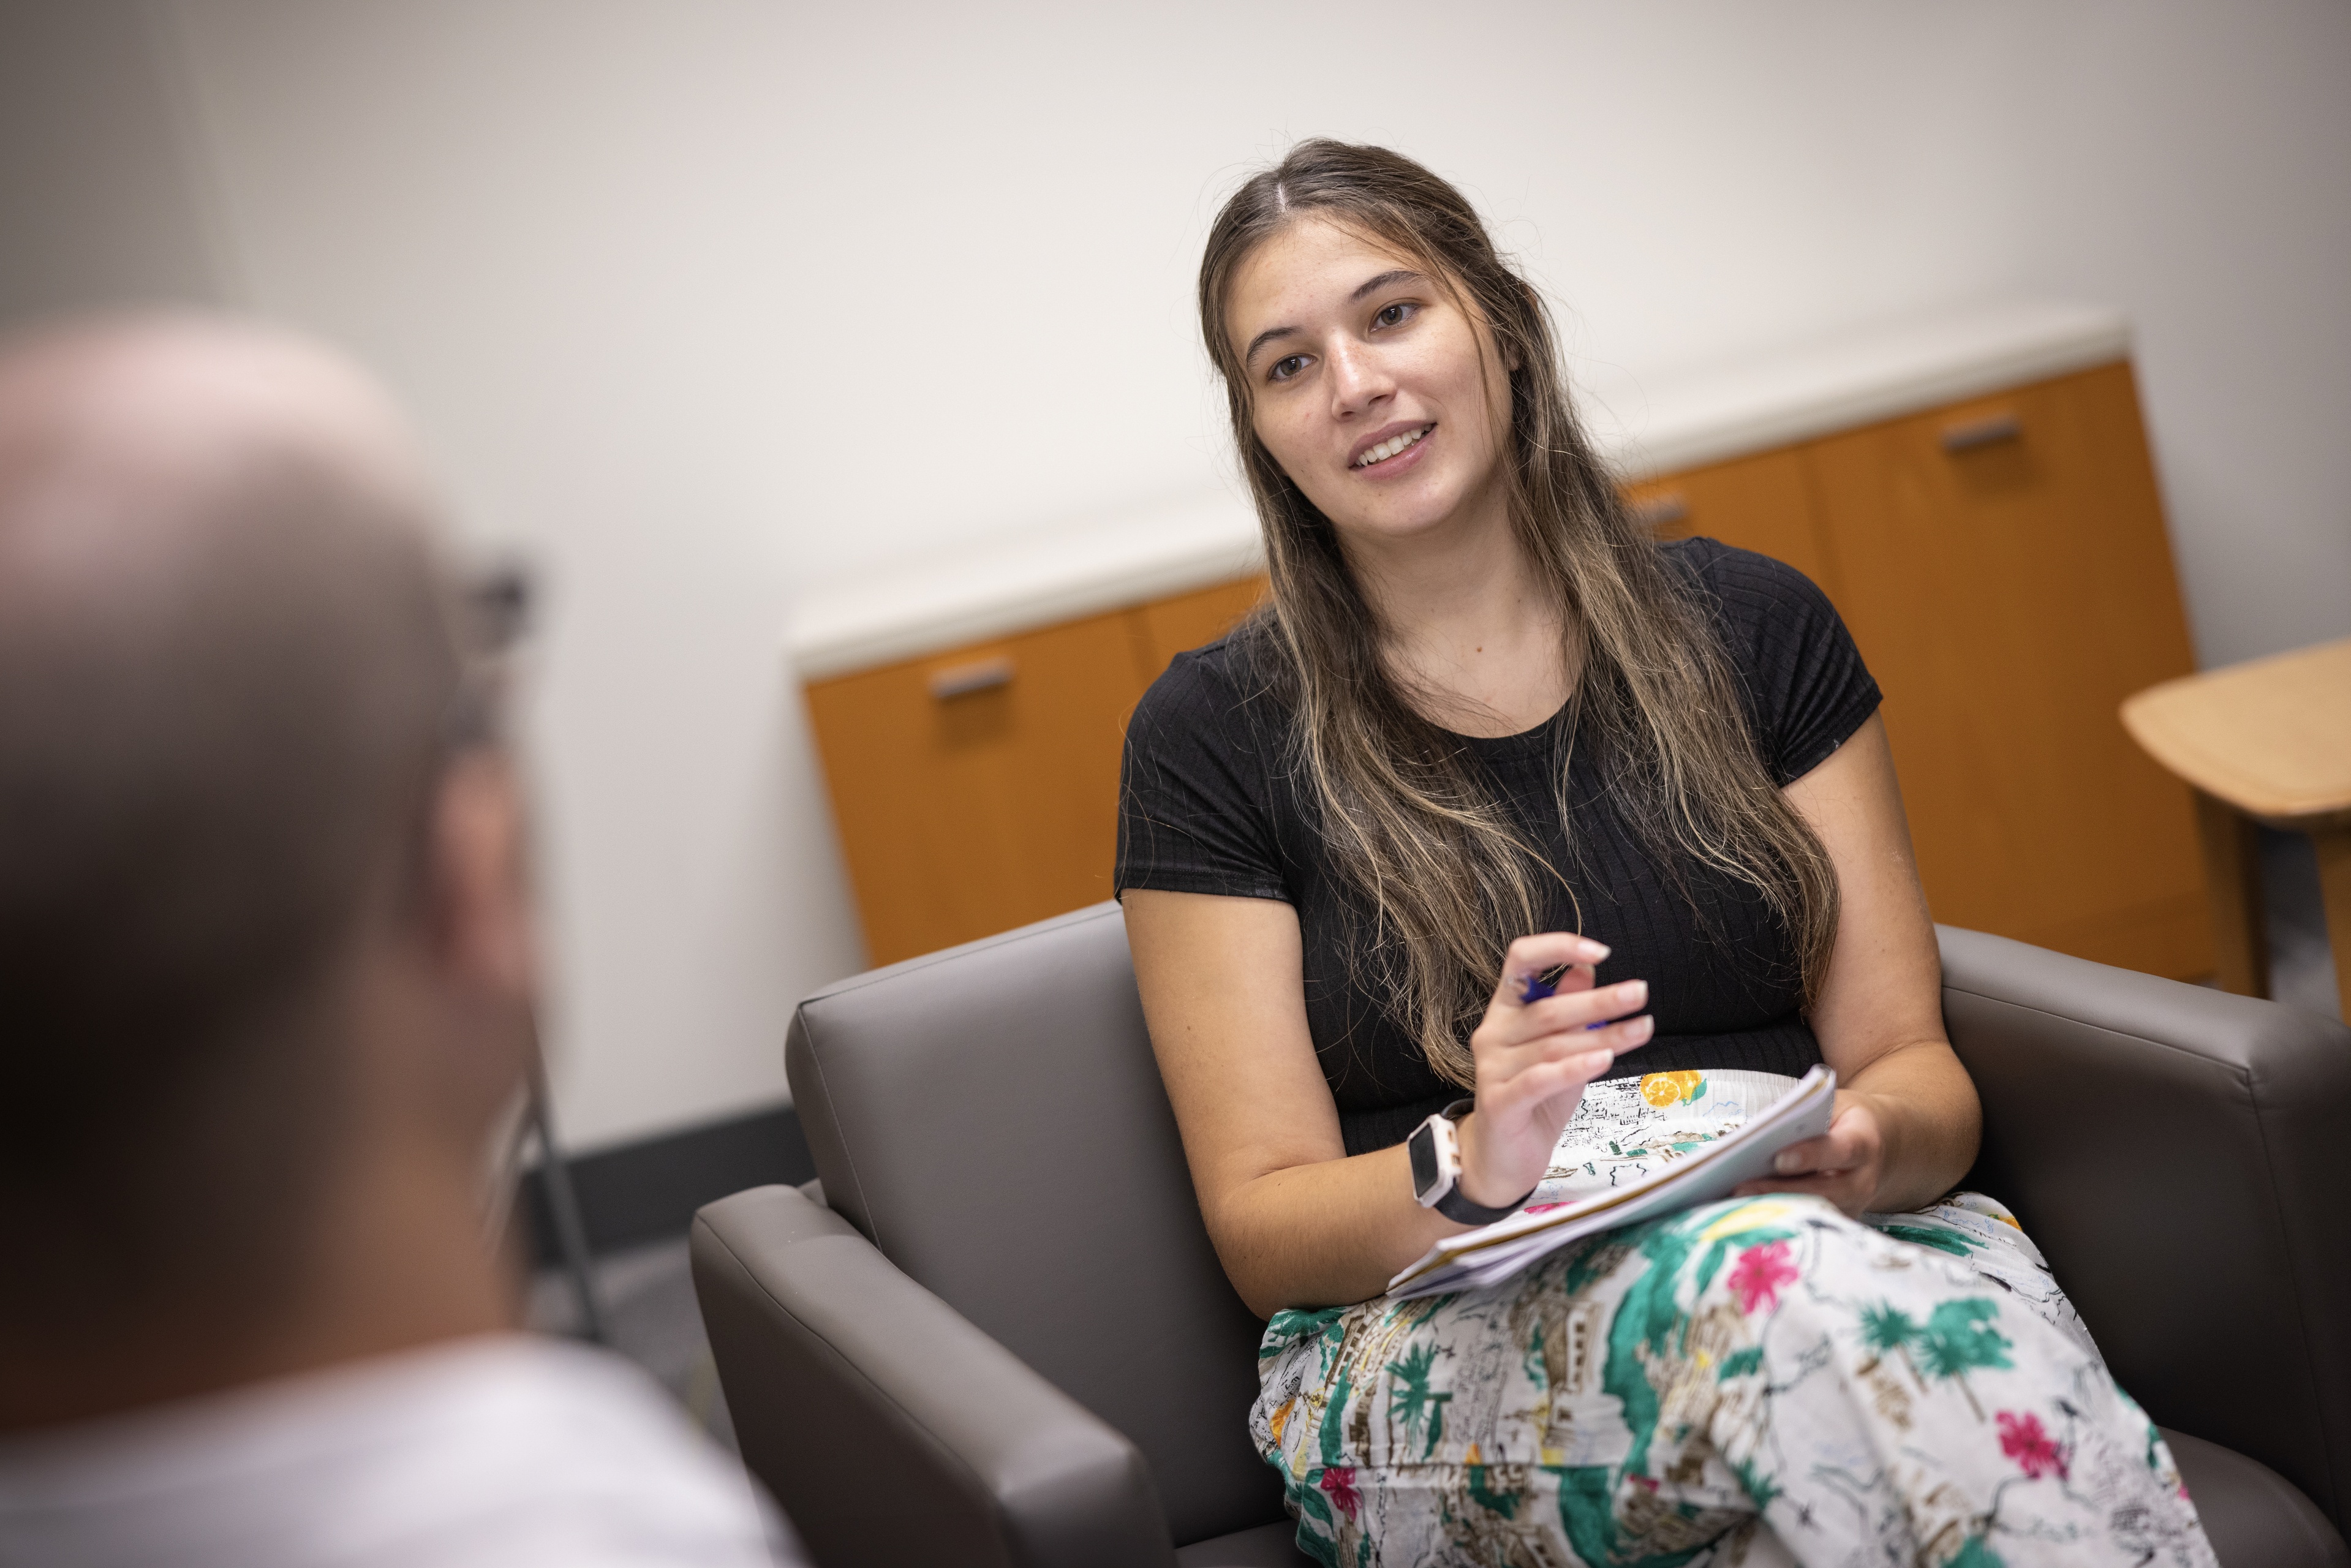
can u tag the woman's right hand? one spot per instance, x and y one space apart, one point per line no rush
1533 1059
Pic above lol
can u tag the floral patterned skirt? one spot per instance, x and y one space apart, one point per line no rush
1755 1381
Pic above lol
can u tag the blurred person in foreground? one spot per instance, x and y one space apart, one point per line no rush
266 972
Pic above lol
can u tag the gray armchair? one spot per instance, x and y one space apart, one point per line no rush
998 1334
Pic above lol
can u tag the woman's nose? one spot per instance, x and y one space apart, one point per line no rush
1357 378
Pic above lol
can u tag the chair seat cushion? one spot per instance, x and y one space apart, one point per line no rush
1260 1546
2255 1516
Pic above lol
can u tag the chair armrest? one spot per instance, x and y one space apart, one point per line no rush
2183 1157
890 1429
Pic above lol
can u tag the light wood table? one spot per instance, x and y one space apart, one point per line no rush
2268 741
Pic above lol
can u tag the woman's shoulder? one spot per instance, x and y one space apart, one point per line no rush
1200 808
1805 682
1744 582
1222 691
1209 674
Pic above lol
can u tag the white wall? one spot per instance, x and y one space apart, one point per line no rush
98 195
705 305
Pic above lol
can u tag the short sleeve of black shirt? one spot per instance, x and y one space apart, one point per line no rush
1195 809
1807 689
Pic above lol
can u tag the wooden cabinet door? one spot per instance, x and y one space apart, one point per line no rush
2004 565
977 791
1762 503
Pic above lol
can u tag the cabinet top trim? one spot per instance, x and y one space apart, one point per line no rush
1667 424
1029 580
1677 421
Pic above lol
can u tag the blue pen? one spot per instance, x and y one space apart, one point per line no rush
1537 989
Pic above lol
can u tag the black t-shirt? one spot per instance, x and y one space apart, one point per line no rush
1208 804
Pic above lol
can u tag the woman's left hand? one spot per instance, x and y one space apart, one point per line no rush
1842 1165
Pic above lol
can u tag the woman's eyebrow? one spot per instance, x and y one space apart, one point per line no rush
1263 339
1394 275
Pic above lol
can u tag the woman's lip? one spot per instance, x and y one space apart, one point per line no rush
1388 467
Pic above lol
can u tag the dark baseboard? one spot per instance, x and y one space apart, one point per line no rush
648 1191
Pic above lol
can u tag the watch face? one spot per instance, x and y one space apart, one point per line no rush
1422 1147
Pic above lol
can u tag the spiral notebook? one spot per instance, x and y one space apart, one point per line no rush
1494 1252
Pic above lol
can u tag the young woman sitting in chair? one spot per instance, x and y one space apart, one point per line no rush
1489 733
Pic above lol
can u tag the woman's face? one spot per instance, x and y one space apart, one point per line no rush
1366 382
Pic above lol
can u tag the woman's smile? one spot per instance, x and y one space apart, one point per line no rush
1381 455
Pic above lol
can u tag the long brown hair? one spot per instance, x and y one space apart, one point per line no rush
1444 880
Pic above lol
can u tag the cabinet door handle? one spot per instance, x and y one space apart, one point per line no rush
963 680
1661 510
1991 430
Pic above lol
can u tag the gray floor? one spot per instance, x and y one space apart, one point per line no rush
648 1295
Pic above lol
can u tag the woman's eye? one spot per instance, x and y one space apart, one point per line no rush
1395 314
1284 369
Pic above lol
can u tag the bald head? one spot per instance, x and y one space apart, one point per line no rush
130 449
226 663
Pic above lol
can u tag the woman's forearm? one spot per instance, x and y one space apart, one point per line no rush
1296 1222
1930 1118
1324 1235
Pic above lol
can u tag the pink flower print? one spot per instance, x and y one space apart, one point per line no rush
1339 1481
2023 1438
1758 1275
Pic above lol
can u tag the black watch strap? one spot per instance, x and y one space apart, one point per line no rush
1455 1205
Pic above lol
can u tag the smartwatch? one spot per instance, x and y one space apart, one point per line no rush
1436 1151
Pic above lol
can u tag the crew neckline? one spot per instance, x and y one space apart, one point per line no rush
1525 743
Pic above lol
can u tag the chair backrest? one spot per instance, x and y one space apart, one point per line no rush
2183 1159
991 1117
